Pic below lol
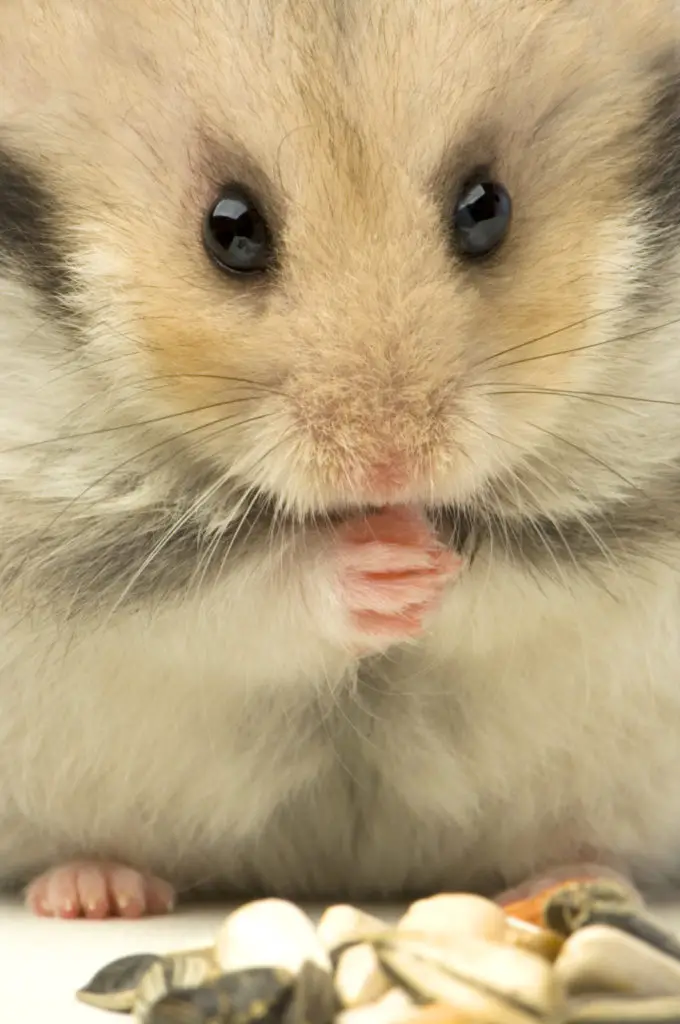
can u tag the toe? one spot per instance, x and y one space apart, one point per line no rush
36 897
395 627
160 896
381 558
127 892
93 892
61 898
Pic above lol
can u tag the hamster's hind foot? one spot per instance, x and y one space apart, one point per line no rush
98 890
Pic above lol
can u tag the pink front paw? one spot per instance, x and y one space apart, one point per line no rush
392 574
98 890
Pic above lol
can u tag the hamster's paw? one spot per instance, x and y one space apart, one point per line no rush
392 573
98 890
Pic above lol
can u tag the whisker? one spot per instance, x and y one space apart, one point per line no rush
126 426
544 540
165 539
243 518
189 513
595 398
220 423
589 455
222 378
592 345
583 522
249 469
545 337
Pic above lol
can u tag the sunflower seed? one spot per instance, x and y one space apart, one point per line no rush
577 904
455 914
188 1006
359 977
113 987
174 971
342 925
269 933
428 985
605 959
314 1000
532 939
637 925
396 1007
481 1013
259 995
514 979
626 1011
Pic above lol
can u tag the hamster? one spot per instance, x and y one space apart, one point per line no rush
339 446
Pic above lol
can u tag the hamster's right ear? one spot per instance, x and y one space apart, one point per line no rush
32 239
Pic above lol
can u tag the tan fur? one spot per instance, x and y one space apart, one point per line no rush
538 717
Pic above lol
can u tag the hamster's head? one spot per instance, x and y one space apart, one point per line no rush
359 253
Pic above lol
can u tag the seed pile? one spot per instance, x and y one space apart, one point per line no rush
583 952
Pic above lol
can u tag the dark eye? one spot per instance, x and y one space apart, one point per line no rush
236 235
481 218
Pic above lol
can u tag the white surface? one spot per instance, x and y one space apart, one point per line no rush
43 962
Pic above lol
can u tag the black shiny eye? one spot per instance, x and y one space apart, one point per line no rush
481 218
236 235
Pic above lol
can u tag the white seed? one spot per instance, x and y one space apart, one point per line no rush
456 914
269 933
343 923
436 972
604 959
393 1008
359 977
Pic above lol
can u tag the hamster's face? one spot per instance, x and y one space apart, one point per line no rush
360 252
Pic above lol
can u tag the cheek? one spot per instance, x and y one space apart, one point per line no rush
155 296
556 301
190 339
227 398
545 329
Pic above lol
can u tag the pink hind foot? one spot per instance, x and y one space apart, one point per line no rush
98 890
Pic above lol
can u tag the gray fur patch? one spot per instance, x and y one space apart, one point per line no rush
630 530
31 241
